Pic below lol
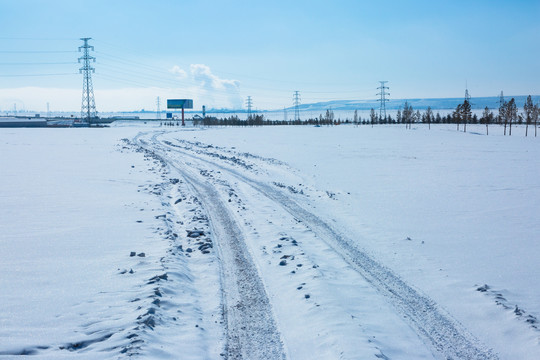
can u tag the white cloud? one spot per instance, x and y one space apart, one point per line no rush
211 90
202 73
179 72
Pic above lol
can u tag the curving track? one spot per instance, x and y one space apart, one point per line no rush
251 328
252 332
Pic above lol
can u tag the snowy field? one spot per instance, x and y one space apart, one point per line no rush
273 242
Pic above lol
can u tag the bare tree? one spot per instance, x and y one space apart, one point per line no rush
429 117
503 116
373 117
536 113
457 115
511 113
407 115
487 116
501 108
528 109
466 114
329 117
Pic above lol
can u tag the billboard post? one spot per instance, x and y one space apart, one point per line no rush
180 104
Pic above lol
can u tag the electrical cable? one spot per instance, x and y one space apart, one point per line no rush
26 75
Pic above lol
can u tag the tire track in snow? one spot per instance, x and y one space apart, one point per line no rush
447 337
251 329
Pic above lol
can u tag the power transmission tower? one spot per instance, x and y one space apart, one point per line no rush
383 99
88 107
467 96
501 99
249 104
158 109
296 103
285 114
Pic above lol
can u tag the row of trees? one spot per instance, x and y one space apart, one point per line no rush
259 120
508 115
462 115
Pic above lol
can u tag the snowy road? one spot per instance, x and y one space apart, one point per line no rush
244 206
250 326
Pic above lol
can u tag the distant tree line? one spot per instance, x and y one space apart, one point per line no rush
461 116
259 120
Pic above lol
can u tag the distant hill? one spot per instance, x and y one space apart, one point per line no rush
420 104
478 103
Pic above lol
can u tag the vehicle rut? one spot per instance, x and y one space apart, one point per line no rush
439 330
251 329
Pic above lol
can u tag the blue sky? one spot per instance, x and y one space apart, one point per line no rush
219 52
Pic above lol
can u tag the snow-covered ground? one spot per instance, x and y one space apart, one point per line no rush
75 204
332 242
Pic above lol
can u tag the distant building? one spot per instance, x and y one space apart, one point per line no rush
22 122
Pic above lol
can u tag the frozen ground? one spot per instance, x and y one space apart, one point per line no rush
75 205
334 242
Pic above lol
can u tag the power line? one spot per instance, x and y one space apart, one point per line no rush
35 38
147 67
146 78
122 80
333 92
25 75
122 70
138 52
38 63
221 94
141 74
36 51
163 72
131 62
157 69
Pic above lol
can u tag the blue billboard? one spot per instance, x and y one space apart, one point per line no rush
179 104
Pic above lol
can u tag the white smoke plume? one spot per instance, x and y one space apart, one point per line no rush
209 88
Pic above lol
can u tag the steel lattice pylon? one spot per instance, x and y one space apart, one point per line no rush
88 107
249 104
383 100
296 103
